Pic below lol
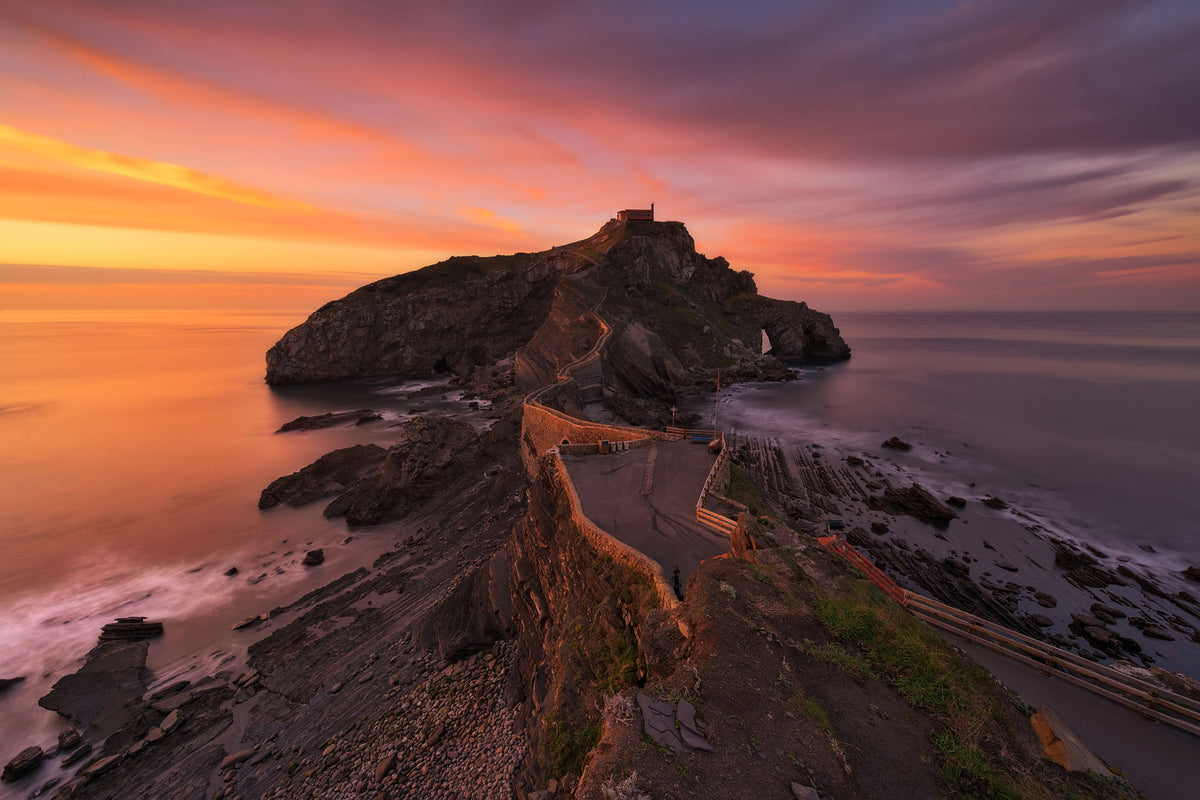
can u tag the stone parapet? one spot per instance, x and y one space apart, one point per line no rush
604 543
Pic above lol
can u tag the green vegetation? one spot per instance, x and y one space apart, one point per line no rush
598 652
972 745
562 746
741 489
444 273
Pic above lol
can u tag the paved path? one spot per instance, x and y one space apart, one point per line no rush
662 525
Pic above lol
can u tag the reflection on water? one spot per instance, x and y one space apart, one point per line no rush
132 452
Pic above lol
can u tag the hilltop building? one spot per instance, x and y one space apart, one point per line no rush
637 213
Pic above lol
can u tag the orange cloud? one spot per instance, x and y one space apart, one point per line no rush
142 169
489 218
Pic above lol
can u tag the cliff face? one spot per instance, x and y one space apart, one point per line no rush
450 317
675 311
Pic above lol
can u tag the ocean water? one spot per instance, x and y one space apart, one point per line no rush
133 448
1090 418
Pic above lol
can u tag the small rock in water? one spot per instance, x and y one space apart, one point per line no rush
229 573
6 683
896 443
313 557
77 755
130 629
24 763
956 502
994 503
68 740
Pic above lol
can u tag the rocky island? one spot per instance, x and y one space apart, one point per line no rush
507 646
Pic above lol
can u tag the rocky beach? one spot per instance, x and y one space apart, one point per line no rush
469 638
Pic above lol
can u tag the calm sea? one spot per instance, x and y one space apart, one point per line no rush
1092 418
133 447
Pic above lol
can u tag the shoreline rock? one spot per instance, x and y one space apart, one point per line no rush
329 420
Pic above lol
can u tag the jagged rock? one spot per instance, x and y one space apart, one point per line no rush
1045 600
360 417
1062 746
313 557
102 765
896 443
802 792
879 527
68 739
129 629
331 474
430 453
384 767
77 755
1081 569
1192 574
1155 632
229 573
106 690
1107 613
234 759
22 764
855 461
915 502
658 722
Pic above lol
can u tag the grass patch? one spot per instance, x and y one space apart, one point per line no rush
811 710
972 744
562 746
742 490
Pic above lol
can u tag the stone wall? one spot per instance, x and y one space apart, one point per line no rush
543 428
603 542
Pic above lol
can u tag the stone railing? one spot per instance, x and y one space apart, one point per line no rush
603 542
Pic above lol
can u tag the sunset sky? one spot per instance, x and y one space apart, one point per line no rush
855 154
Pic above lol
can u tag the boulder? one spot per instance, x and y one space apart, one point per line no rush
313 557
330 475
913 501
430 453
106 690
68 740
22 764
130 629
360 417
1062 746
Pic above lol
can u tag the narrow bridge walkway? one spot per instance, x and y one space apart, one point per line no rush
662 524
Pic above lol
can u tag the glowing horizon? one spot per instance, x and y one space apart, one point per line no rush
896 156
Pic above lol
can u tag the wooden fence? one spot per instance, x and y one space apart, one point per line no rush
1148 699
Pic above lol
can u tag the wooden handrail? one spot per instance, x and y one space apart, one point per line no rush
1152 701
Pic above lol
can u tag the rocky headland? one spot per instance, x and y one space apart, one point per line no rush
501 647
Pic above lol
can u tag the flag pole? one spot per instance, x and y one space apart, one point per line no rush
717 404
